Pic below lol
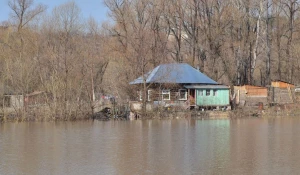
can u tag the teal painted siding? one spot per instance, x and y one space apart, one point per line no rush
214 97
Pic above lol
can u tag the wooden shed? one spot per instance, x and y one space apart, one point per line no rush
249 95
13 101
282 92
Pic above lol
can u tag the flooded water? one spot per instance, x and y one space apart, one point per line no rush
247 146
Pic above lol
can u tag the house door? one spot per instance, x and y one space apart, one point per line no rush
192 97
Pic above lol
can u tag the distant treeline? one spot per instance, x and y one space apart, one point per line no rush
234 42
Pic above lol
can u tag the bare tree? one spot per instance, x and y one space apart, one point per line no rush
136 21
24 11
62 34
290 9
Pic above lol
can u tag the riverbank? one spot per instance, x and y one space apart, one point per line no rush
287 110
39 117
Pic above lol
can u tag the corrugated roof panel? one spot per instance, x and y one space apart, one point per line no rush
179 73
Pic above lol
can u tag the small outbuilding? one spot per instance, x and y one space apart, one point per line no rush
249 95
14 101
282 92
10 100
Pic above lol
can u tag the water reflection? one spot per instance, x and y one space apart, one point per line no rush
247 146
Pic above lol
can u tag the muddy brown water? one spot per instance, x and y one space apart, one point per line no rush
245 146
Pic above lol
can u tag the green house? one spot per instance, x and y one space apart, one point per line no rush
210 95
179 84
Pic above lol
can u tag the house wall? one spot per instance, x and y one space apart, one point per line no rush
156 94
221 98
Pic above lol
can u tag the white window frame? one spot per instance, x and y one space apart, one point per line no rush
149 92
185 94
140 95
207 92
215 92
165 92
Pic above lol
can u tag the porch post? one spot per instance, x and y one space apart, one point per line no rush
188 98
195 97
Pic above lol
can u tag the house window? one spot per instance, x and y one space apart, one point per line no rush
207 92
201 92
215 92
149 95
182 94
166 94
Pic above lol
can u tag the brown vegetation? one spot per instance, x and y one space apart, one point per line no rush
72 59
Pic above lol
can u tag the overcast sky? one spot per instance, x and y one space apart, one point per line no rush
94 8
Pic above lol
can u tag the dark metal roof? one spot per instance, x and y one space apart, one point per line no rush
179 73
206 87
